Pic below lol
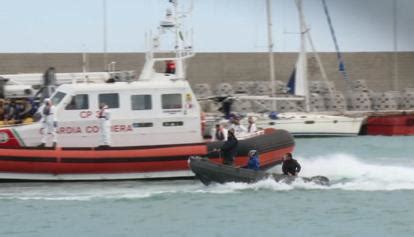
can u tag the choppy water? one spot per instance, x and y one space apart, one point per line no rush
372 194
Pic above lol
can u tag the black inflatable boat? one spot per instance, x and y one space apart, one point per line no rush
209 172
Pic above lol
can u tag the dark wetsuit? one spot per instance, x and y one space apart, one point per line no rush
229 150
291 167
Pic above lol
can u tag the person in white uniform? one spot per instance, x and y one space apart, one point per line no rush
239 129
252 125
49 123
105 126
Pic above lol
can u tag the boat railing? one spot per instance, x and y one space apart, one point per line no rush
171 25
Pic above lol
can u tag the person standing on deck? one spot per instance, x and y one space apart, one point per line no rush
219 133
49 123
229 148
104 126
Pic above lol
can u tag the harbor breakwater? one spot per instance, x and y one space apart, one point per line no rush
382 71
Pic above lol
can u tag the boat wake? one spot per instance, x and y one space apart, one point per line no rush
351 173
346 172
87 191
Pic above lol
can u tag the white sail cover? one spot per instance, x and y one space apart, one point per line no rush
301 83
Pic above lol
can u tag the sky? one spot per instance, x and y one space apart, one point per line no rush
218 25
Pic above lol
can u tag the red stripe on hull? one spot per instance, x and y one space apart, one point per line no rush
266 158
60 167
153 152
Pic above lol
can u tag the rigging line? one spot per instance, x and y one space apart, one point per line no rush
338 52
316 55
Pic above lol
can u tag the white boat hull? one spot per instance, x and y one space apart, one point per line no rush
313 125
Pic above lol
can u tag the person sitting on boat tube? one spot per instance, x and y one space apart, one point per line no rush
252 125
253 162
229 148
290 166
49 122
238 128
104 125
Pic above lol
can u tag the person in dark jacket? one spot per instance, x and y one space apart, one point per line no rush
290 166
229 148
219 133
226 104
253 162
9 109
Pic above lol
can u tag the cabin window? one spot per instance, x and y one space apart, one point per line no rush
58 97
171 101
142 125
172 124
110 99
78 102
141 102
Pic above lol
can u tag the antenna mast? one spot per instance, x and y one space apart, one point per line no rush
105 35
271 58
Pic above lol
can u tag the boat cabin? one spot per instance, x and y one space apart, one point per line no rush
142 113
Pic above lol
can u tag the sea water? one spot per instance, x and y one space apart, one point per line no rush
372 194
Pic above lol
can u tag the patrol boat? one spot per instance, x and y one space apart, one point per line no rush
156 124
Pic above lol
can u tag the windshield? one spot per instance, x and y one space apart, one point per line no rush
58 97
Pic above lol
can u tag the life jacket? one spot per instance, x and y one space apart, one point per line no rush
170 67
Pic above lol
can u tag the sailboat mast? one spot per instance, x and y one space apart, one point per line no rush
105 34
395 39
271 59
178 44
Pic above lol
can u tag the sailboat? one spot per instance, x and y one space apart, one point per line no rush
304 123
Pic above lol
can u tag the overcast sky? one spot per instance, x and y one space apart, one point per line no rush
219 25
